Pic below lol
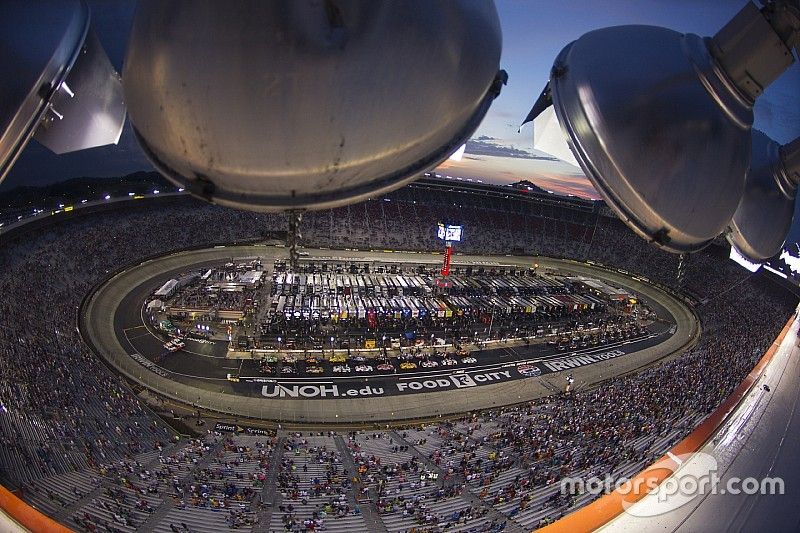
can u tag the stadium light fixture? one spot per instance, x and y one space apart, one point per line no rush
282 105
660 121
764 216
59 87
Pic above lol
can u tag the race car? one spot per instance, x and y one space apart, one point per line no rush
289 359
170 346
358 359
429 364
408 365
315 370
449 361
338 358
342 369
363 368
385 367
469 360
271 359
529 370
267 369
312 361
288 370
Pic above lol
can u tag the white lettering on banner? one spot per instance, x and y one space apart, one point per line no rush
463 380
316 391
148 364
459 381
238 429
582 360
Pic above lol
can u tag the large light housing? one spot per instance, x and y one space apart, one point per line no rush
58 85
660 121
291 104
656 129
764 216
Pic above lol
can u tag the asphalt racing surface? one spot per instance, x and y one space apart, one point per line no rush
202 367
204 364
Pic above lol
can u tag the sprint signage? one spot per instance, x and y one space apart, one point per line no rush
456 381
236 428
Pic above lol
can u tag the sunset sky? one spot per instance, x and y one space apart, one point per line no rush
534 32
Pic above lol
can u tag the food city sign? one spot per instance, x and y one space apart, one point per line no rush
420 384
358 390
458 381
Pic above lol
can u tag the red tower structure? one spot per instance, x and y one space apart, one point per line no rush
448 254
449 234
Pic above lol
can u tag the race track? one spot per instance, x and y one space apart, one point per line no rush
112 323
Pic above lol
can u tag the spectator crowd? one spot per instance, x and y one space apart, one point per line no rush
81 445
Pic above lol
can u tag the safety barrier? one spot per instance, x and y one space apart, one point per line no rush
27 516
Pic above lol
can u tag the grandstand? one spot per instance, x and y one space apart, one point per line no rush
80 444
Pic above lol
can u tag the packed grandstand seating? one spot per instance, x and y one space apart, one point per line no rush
81 446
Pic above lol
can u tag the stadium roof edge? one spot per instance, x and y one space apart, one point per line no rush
509 191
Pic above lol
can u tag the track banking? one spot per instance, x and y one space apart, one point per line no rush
317 390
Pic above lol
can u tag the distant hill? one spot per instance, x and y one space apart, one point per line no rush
77 189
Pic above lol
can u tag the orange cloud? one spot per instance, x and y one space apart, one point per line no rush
558 177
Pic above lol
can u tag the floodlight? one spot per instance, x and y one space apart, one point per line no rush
59 85
660 121
273 105
548 137
762 220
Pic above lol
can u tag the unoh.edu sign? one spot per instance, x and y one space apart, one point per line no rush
285 390
402 386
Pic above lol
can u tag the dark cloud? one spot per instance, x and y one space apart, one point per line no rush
483 146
